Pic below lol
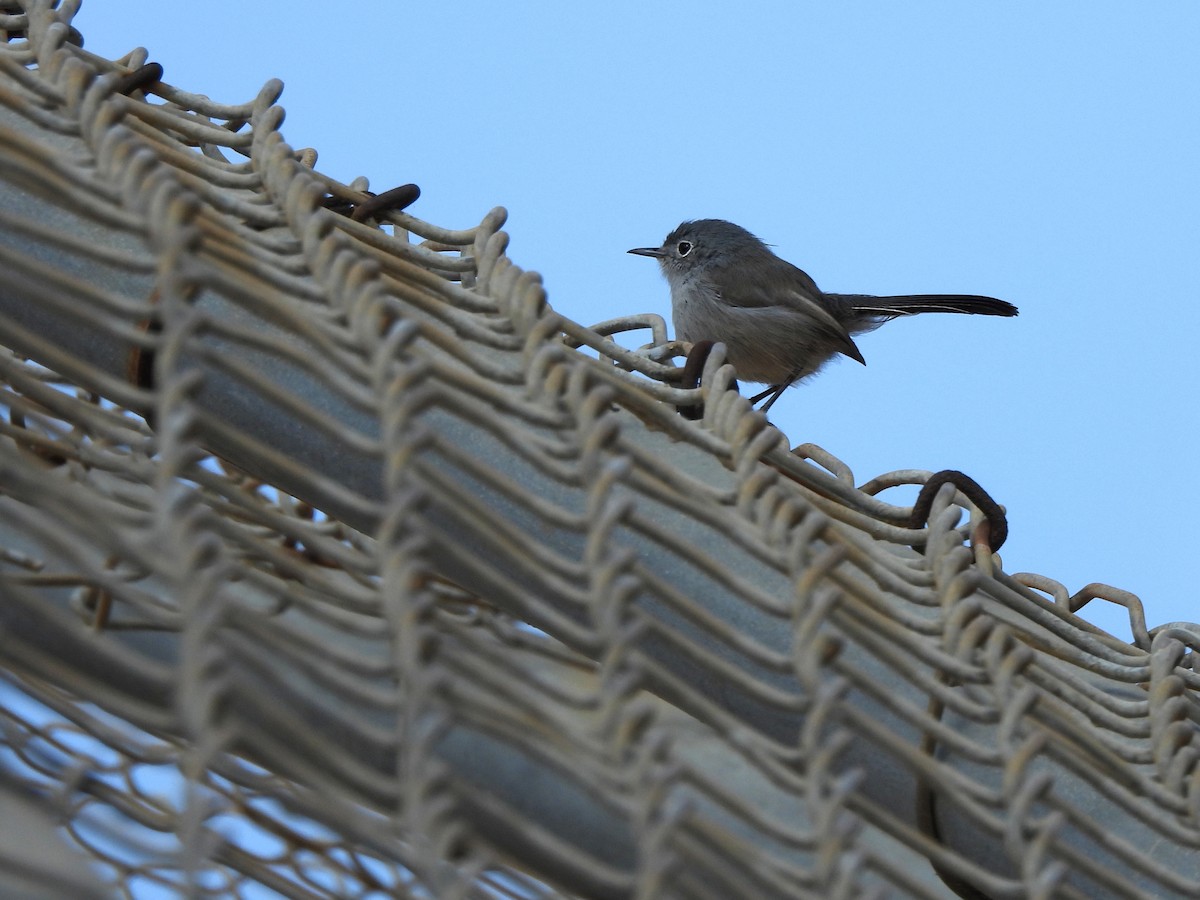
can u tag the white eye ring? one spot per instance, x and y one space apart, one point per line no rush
684 248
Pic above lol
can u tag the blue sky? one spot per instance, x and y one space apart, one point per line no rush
1042 153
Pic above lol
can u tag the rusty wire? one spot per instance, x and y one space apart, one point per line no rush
282 492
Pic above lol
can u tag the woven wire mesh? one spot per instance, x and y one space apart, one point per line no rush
335 563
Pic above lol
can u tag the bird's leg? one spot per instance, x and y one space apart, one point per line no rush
759 396
773 393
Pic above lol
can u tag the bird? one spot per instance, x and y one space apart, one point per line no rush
777 326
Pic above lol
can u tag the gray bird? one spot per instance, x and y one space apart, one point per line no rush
777 325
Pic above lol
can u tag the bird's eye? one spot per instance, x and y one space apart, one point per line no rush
684 247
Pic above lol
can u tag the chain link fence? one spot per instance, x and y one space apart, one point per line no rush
335 563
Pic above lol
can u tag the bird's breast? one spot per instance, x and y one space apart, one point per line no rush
766 344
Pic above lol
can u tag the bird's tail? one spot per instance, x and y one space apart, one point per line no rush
885 308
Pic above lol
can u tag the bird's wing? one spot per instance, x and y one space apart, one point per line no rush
794 291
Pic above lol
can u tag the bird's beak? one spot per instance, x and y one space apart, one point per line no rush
656 252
